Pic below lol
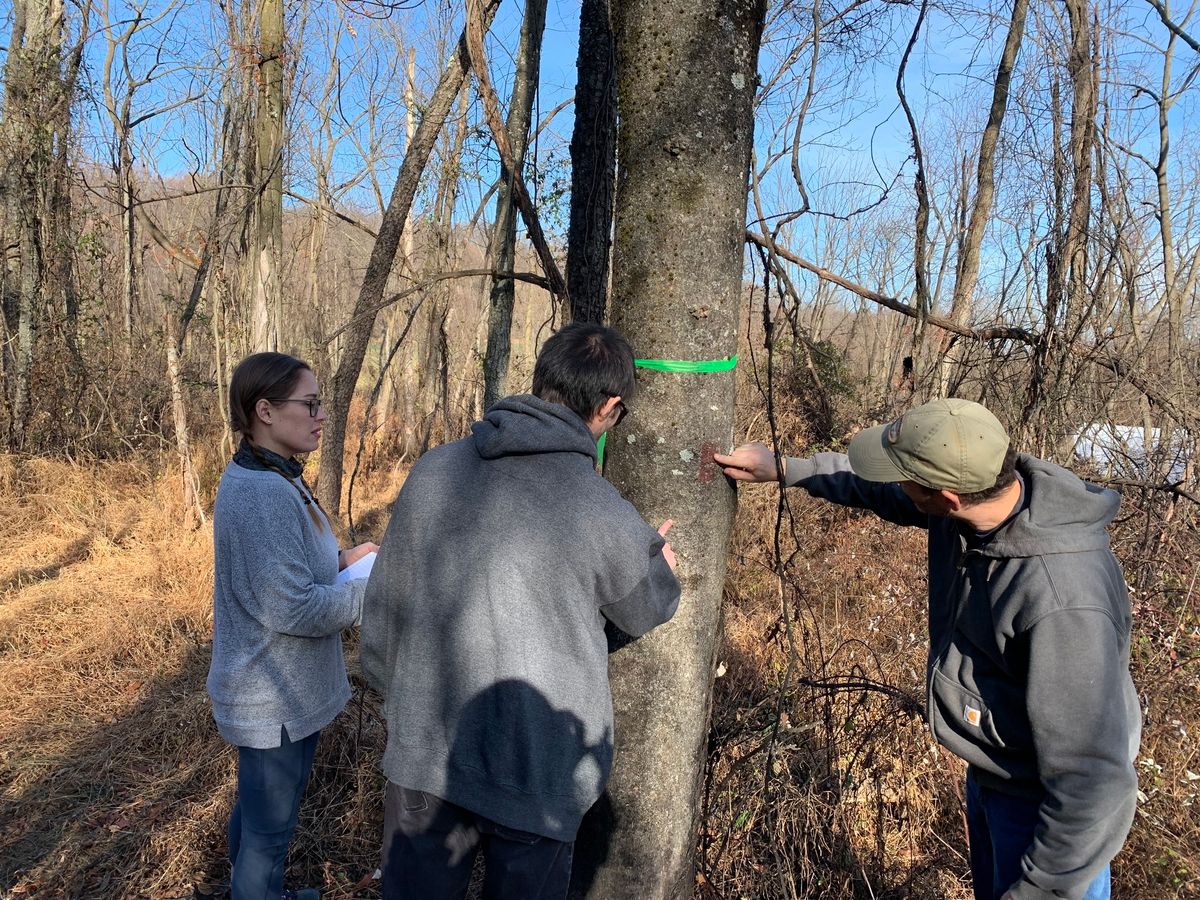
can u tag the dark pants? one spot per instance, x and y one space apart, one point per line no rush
270 786
999 830
430 845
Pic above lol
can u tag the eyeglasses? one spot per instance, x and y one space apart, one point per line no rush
314 406
621 411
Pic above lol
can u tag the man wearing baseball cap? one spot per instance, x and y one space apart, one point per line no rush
1028 671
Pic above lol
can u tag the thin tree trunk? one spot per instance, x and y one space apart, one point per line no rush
921 190
217 317
407 377
187 473
1175 298
684 148
593 164
504 238
962 302
1081 65
379 268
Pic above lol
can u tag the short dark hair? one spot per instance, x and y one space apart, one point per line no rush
260 376
581 366
1008 474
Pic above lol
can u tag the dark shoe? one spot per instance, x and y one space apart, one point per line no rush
302 894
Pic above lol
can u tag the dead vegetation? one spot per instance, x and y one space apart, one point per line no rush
822 780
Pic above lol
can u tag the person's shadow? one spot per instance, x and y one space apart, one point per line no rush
510 736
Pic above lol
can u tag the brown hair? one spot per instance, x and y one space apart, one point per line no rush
581 366
260 376
267 376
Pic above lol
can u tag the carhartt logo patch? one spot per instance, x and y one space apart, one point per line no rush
971 716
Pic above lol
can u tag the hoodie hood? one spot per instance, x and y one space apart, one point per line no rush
523 424
1062 513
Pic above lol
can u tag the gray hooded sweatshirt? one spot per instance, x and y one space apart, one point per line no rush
1028 670
484 621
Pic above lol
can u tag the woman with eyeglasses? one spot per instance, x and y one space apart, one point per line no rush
277 675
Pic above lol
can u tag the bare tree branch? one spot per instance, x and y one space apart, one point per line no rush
1172 27
527 277
491 113
349 220
1119 367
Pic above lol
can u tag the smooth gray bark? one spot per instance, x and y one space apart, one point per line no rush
686 79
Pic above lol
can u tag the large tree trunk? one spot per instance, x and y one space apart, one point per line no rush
266 253
504 238
685 137
34 133
379 267
593 164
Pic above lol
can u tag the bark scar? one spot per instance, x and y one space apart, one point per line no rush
708 467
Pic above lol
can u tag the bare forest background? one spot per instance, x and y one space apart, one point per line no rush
993 200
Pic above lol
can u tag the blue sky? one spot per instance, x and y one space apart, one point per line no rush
856 142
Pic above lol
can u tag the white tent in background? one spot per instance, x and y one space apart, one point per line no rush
1121 451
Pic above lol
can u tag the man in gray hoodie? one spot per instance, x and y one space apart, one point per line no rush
484 629
1028 669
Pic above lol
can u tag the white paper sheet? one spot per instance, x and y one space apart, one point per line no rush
360 569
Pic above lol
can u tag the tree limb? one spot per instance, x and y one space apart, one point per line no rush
491 112
349 220
527 277
1171 487
176 252
1088 353
992 333
1172 27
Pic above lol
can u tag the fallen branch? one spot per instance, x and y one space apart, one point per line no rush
349 220
176 252
1086 352
991 333
527 277
1170 487
474 31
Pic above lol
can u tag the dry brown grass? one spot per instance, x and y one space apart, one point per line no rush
113 780
822 781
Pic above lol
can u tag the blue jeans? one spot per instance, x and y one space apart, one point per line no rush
430 845
999 830
271 784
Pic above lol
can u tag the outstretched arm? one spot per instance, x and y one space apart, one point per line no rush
825 475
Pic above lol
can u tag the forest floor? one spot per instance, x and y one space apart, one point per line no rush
822 780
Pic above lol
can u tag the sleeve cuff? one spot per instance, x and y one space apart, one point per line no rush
796 470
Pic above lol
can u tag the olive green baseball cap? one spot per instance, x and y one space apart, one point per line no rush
946 445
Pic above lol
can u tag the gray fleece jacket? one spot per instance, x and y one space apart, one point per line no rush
277 615
1028 670
484 622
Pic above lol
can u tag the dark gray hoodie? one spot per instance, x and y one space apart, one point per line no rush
483 624
1028 670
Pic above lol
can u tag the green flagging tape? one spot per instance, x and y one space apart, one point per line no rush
684 365
672 365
